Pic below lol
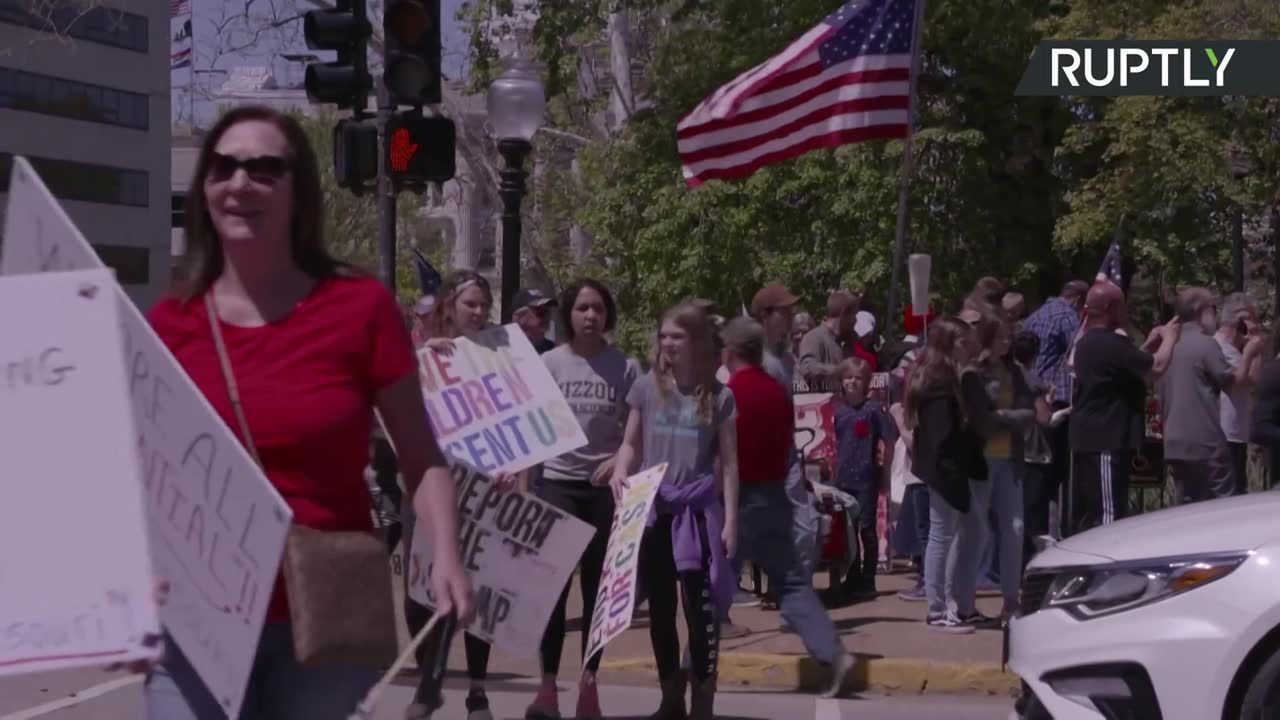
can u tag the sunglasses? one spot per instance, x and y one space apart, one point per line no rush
263 170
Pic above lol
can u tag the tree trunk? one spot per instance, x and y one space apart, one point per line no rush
622 101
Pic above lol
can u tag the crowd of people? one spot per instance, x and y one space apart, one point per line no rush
985 417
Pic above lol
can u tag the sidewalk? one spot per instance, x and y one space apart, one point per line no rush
896 652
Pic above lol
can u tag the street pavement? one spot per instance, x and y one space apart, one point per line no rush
118 697
754 681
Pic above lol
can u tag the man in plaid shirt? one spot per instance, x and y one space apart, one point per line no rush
1056 324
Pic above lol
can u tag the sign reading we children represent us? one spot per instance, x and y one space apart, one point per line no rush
493 405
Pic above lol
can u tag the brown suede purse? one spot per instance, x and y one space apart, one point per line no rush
339 583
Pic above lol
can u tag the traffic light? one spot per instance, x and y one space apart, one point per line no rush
355 154
345 29
420 150
411 29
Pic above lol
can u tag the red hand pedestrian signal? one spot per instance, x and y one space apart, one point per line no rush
403 149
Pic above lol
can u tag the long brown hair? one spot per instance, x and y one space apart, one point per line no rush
202 260
937 366
453 286
698 324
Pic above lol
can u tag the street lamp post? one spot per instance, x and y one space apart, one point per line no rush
516 103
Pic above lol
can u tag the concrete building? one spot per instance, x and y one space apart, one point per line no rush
84 95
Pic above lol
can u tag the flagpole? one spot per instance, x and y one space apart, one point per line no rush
191 99
908 169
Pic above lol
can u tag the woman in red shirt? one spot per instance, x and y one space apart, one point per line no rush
315 347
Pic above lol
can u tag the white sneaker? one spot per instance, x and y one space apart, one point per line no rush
839 671
949 622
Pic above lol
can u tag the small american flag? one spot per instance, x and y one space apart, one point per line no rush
846 80
1111 269
178 8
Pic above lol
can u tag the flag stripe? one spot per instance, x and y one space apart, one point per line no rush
807 73
873 123
744 138
831 139
839 87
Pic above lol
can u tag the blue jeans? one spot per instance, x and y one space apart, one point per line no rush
804 517
279 688
1001 492
765 539
944 523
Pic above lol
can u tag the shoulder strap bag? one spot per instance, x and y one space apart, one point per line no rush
339 583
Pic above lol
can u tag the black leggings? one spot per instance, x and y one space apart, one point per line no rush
658 570
433 653
593 505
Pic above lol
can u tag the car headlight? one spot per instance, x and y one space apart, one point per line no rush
1093 592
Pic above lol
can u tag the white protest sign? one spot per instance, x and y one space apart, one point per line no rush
616 600
76 590
217 527
519 552
493 405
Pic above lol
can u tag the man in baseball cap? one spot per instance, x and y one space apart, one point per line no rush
774 308
533 315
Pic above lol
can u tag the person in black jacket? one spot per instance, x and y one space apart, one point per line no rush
946 453
1266 416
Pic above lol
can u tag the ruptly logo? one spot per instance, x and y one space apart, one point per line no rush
1152 67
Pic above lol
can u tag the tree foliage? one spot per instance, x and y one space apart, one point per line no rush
1026 188
351 221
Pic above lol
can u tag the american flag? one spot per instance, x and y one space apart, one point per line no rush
1112 263
178 8
844 81
180 59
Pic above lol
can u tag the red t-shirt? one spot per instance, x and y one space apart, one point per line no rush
307 385
766 426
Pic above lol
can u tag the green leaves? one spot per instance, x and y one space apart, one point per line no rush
1029 189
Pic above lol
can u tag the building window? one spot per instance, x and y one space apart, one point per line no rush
33 92
132 264
102 25
179 205
86 182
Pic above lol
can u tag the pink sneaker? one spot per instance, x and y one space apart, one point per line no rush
546 706
589 700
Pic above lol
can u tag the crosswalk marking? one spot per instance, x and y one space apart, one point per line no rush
824 709
71 701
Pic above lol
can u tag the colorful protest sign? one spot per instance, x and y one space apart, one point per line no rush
493 404
217 527
616 600
78 591
519 552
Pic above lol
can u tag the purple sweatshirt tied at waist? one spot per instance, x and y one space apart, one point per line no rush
684 503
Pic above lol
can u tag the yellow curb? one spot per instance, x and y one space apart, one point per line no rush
890 675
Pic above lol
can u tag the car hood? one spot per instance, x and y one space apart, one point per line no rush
1230 524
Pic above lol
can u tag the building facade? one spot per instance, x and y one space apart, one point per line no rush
84 95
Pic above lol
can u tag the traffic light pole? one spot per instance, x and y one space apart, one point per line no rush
386 194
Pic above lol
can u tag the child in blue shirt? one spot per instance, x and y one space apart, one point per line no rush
863 431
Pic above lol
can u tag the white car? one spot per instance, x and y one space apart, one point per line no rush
1172 615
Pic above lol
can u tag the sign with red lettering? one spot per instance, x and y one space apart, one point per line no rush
493 404
519 552
217 526
616 600
73 545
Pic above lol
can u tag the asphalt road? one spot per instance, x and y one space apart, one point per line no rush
94 695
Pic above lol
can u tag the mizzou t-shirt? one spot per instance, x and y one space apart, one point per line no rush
596 389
